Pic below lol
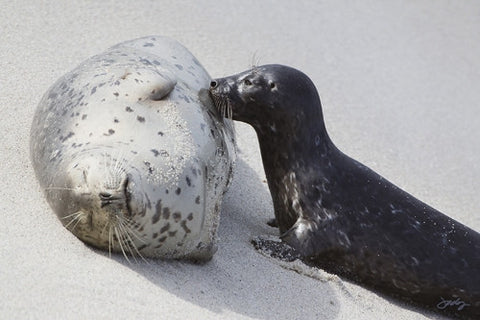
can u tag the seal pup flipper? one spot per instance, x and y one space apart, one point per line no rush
275 248
306 238
273 223
302 241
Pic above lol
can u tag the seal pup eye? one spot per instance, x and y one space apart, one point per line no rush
272 85
247 82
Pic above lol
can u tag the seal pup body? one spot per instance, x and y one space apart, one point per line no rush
340 215
131 153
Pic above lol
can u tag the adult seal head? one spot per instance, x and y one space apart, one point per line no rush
131 153
340 215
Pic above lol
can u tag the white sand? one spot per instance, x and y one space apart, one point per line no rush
400 85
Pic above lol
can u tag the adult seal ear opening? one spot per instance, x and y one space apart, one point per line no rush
338 214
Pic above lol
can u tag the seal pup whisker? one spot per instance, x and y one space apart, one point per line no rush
255 60
223 106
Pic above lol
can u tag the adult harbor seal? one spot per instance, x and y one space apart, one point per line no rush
131 153
340 215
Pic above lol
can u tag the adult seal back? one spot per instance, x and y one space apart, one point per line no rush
131 153
338 214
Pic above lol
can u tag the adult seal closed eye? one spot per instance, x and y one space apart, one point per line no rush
340 215
131 153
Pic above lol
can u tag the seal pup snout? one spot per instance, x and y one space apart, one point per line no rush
219 91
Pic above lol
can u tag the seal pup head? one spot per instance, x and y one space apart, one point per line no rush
268 97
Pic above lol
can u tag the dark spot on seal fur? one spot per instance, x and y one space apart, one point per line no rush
197 200
156 216
68 136
110 132
190 216
162 239
148 44
178 191
172 233
141 119
196 62
128 109
158 211
183 224
176 216
189 183
165 228
155 152
160 133
166 213
116 94
84 116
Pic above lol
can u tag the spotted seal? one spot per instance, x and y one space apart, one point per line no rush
338 214
131 153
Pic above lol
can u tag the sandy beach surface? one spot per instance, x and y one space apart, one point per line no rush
400 88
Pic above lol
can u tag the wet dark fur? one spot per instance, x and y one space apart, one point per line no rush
340 215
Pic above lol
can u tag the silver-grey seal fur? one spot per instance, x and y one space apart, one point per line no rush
131 153
340 215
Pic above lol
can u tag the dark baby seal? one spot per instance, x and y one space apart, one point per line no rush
340 215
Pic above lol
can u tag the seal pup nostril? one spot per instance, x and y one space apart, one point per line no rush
213 84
